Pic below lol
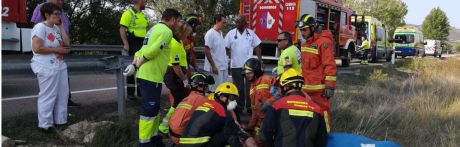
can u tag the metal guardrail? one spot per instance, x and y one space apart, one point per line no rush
116 62
111 48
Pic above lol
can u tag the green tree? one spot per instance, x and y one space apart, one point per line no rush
457 47
390 12
205 8
436 25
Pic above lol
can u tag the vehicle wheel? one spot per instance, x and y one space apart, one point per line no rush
389 57
346 62
403 57
440 55
374 56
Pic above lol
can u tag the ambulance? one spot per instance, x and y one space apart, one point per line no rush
270 17
377 35
411 42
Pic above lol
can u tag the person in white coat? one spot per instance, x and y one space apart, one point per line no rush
242 42
49 44
216 58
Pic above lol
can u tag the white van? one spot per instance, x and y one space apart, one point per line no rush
433 47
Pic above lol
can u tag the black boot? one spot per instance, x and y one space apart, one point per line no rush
70 103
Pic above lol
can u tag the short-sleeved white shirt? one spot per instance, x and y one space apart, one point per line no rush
51 38
215 41
241 45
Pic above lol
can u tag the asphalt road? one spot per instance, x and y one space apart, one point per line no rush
19 92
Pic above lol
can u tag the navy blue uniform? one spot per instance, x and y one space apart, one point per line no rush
294 121
211 125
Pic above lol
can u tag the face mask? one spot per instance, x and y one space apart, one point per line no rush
231 105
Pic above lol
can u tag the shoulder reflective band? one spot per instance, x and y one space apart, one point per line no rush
262 86
185 106
251 91
313 87
309 50
205 109
301 113
331 78
197 140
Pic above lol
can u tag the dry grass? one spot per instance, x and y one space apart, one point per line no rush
415 104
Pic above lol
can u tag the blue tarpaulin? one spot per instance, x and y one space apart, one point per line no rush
352 140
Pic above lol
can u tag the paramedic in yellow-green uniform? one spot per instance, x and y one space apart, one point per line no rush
153 59
133 27
290 55
176 72
365 46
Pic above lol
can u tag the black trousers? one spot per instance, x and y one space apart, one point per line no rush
243 90
175 86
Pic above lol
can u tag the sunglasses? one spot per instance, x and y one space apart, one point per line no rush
279 40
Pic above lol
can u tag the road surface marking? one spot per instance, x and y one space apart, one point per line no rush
73 92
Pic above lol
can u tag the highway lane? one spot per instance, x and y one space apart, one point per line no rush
19 92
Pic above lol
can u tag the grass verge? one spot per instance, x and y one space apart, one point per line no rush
416 102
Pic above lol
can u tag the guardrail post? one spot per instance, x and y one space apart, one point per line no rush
120 89
118 63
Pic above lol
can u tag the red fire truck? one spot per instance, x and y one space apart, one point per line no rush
269 17
14 38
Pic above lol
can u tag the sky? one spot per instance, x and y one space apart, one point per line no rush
419 9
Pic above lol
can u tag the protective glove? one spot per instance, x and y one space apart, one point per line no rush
274 92
129 70
329 92
275 71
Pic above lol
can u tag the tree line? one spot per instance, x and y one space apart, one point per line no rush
97 21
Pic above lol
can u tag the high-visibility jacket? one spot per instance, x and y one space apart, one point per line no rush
289 57
155 51
318 63
211 125
260 94
294 121
183 112
366 45
135 22
178 54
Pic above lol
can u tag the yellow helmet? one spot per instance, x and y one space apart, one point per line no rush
291 77
226 88
211 96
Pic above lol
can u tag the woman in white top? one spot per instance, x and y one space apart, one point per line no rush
49 44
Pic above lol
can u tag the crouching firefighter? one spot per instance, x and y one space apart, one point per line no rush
212 124
294 120
199 84
260 95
